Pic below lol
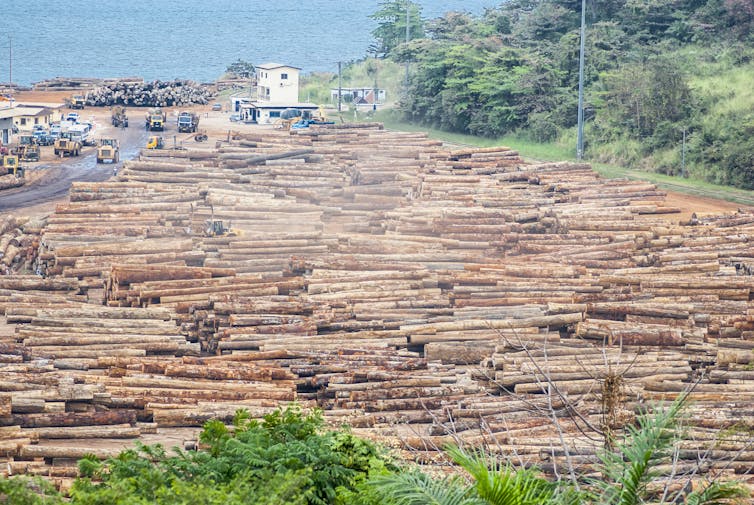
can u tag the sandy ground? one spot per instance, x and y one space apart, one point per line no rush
217 126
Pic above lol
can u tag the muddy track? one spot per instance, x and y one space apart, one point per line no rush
58 177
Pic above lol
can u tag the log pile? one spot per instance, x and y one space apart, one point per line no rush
10 181
421 294
148 94
68 84
19 244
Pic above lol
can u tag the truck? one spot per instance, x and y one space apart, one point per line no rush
76 102
108 151
118 116
67 145
156 120
187 122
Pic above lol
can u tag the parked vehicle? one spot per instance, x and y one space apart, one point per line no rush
73 117
217 106
43 138
81 133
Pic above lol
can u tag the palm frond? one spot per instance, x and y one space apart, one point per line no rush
416 488
502 484
628 470
718 493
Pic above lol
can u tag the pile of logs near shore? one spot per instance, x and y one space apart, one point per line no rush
148 94
420 294
81 84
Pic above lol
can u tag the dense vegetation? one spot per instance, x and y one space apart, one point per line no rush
288 458
654 70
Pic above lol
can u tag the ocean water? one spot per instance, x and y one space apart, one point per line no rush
186 39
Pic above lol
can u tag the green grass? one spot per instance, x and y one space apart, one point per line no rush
560 152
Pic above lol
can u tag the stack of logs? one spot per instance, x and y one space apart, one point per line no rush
420 294
19 244
148 94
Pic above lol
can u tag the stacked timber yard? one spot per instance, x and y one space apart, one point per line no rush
420 294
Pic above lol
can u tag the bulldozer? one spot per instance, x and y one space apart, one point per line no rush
108 151
118 116
27 148
155 120
67 146
302 119
9 165
155 142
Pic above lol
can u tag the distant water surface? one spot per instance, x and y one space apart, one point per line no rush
187 39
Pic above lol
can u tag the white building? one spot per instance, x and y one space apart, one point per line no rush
277 83
359 96
277 89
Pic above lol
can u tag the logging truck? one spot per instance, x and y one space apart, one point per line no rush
118 116
76 102
155 120
187 122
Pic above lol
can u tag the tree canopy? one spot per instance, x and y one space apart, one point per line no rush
650 68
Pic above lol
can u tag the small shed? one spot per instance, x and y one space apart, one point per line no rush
263 112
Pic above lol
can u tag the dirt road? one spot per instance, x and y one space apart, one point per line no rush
56 179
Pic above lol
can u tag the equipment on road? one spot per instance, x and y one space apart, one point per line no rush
155 142
156 120
118 116
187 122
76 102
303 119
27 148
9 165
67 145
108 151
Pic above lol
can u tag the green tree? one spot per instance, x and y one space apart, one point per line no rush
240 68
286 458
391 25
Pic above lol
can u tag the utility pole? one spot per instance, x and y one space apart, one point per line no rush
580 137
408 28
683 155
10 61
340 86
